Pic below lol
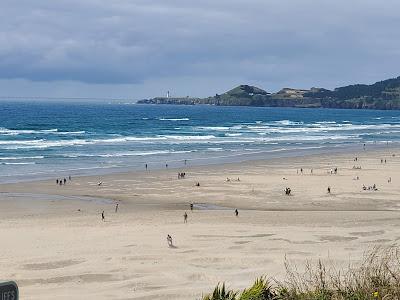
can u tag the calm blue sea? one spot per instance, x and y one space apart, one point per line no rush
46 140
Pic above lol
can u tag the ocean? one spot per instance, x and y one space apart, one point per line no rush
56 139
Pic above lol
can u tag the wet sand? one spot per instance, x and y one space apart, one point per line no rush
55 245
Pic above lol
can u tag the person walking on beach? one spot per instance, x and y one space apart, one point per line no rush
166 166
116 208
329 189
169 241
191 206
146 166
236 213
102 216
185 216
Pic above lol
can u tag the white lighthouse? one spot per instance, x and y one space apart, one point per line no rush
167 94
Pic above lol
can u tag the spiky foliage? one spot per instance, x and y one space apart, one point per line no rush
220 293
261 290
377 277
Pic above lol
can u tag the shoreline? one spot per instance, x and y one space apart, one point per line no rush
241 158
297 162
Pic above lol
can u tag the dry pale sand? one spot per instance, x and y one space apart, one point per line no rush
55 245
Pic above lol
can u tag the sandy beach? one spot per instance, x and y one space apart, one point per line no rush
56 246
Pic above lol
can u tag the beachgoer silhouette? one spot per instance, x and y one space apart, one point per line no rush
69 177
169 240
56 181
329 189
185 162
116 208
166 166
236 212
102 216
185 216
65 181
146 166
191 206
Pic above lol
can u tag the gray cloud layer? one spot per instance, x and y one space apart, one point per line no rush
271 43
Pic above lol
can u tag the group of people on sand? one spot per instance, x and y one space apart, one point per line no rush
63 181
229 180
333 171
185 220
103 216
301 171
181 175
370 188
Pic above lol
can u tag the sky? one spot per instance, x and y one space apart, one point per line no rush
137 49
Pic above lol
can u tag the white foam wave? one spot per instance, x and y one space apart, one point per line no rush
174 119
6 131
21 163
41 144
21 157
126 154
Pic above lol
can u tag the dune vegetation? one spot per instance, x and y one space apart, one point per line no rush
376 277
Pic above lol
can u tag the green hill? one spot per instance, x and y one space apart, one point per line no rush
380 95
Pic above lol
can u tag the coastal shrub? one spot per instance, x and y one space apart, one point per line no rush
261 290
220 293
376 277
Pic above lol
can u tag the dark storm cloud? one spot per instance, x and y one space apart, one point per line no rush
297 42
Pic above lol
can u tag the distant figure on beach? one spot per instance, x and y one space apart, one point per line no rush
301 170
185 162
228 179
236 213
145 166
288 191
65 181
185 216
99 183
60 181
191 206
102 216
329 189
311 171
197 183
364 146
69 177
57 181
169 241
390 180
166 166
116 208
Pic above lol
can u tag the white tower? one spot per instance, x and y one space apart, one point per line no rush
168 94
